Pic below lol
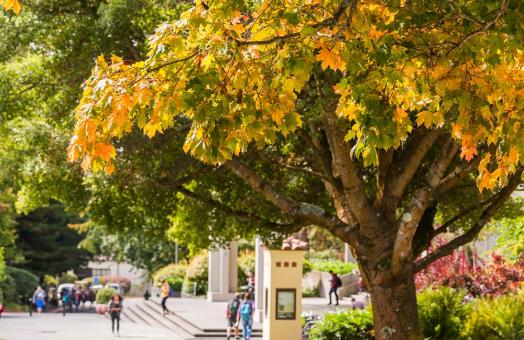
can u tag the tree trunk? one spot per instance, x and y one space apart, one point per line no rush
395 312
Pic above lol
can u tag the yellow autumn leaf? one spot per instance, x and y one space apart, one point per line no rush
330 59
514 155
424 118
400 115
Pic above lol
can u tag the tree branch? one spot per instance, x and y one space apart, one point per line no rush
244 215
468 236
402 248
485 26
300 210
413 155
326 23
445 226
347 170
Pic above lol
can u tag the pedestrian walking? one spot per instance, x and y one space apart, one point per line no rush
39 299
245 315
1 309
335 283
115 308
165 295
231 315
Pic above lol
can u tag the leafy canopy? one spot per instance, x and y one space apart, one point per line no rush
238 72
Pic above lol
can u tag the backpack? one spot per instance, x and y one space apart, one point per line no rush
338 282
246 310
233 307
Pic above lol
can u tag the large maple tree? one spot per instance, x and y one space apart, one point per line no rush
392 106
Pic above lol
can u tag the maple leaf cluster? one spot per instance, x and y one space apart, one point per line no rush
237 72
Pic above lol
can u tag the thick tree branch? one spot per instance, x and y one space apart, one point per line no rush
244 215
300 210
322 156
469 235
413 155
347 170
402 248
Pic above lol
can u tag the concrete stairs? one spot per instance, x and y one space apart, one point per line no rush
150 313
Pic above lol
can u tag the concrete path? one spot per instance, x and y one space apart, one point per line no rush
81 326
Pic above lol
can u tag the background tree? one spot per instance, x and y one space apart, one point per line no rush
46 53
47 243
401 107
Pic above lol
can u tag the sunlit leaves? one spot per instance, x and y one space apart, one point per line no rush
236 72
13 5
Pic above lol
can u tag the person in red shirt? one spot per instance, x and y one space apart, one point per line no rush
335 283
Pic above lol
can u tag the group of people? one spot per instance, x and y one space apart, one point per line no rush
76 297
240 311
71 299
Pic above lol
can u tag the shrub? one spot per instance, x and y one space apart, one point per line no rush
19 285
336 266
170 271
104 295
349 324
464 269
176 283
442 313
328 254
497 319
196 273
50 281
246 263
307 266
67 278
311 292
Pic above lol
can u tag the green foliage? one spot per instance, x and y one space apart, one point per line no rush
510 239
311 292
50 281
46 241
104 295
171 272
442 313
501 318
67 278
337 266
246 263
350 324
327 254
196 274
19 285
307 266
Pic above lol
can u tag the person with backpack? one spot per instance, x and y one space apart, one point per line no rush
336 283
231 315
245 315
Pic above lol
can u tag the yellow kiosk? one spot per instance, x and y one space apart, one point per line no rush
282 294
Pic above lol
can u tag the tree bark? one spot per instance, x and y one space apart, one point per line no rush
395 312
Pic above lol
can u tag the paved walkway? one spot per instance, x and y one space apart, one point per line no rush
81 326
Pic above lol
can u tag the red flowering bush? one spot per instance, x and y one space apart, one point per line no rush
465 269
